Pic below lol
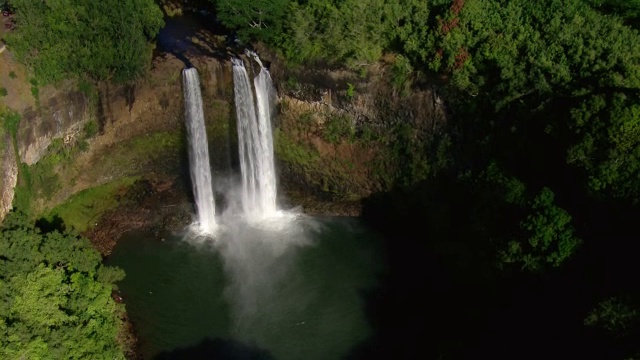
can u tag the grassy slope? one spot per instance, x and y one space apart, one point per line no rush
82 210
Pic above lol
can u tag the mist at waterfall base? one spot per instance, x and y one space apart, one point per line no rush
254 293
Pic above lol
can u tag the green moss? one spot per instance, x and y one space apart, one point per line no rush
90 90
41 180
10 120
401 75
332 176
150 144
351 91
22 192
132 156
91 129
338 128
293 152
35 90
217 123
123 162
81 210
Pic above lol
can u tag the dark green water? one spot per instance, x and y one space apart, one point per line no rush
294 293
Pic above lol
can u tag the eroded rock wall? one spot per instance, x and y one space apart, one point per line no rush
140 129
9 173
61 116
344 135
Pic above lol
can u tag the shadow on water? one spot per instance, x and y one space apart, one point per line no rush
443 297
222 349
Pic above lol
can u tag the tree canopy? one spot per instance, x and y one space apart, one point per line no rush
253 19
540 161
100 39
55 296
543 125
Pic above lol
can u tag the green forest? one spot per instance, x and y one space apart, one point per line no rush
56 296
539 189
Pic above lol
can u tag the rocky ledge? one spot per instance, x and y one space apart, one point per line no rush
154 204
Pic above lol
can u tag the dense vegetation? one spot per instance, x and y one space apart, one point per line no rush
101 40
543 170
55 296
525 231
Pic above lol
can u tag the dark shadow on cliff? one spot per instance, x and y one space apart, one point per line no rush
180 56
444 298
216 349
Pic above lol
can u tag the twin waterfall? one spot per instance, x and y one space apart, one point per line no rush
198 151
255 142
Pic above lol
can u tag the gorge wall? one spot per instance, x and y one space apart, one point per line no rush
343 135
339 135
8 173
68 141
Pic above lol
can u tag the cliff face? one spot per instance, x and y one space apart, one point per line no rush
345 135
339 135
60 117
9 172
70 141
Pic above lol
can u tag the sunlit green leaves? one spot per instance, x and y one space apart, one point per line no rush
55 296
40 298
350 32
261 19
99 39
608 146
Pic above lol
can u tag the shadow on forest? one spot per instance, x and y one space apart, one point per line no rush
50 225
444 298
216 349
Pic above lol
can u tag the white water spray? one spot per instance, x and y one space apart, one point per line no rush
255 140
198 151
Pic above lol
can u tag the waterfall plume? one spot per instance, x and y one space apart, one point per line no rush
255 139
200 168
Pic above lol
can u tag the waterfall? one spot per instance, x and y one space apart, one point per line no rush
198 151
255 140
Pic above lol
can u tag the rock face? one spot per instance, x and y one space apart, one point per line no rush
9 172
345 135
62 116
140 128
340 136
156 103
